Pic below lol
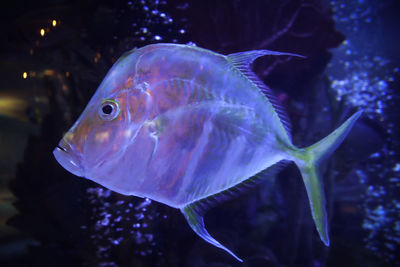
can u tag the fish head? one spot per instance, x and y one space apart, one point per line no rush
96 144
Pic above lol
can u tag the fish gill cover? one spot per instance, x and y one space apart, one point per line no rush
74 222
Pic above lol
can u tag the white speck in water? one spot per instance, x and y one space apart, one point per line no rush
396 167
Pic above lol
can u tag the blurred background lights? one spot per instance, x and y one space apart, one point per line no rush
42 32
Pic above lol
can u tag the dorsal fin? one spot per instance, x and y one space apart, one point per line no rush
246 58
242 62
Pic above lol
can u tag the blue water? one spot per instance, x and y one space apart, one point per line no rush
364 73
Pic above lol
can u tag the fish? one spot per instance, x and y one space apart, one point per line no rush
183 125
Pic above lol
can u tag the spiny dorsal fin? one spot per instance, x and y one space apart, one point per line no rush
246 58
242 62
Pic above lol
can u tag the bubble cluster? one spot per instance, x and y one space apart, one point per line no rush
366 84
154 24
119 221
363 76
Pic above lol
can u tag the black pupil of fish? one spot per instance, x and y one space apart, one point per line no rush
107 109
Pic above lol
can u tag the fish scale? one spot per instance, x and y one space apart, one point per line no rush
188 125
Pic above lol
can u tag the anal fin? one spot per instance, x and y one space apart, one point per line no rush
196 222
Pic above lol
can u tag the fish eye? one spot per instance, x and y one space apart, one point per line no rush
109 109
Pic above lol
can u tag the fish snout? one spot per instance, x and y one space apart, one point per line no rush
68 158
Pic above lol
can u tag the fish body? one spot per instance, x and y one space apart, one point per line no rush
179 124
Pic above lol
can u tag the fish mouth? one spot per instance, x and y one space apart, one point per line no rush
67 157
61 148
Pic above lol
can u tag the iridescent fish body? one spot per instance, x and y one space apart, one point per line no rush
179 124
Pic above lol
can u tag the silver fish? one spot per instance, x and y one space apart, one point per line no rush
180 124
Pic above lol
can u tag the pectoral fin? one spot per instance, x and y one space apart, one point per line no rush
196 221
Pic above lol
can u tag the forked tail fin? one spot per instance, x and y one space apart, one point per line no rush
308 159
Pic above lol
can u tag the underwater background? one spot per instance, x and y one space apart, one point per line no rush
53 56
